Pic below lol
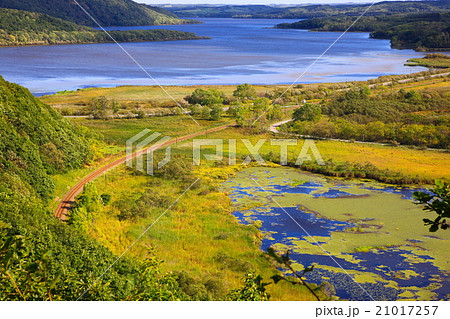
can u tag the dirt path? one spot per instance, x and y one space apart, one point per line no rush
66 202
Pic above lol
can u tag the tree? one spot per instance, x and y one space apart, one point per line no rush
206 97
245 92
261 103
436 200
99 107
275 113
308 112
412 95
196 110
216 112
206 112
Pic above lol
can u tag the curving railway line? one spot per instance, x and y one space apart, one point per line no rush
68 199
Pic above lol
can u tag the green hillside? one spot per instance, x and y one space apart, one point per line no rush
106 12
35 141
425 31
30 28
306 11
42 258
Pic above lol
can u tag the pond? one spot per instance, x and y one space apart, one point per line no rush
367 239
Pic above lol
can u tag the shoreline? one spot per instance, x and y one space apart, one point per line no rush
381 80
106 42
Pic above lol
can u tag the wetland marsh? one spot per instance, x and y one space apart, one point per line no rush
373 231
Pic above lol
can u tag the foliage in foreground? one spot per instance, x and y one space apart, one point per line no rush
36 142
42 258
436 200
254 289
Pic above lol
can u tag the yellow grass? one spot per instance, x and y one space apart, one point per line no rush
426 164
186 237
142 94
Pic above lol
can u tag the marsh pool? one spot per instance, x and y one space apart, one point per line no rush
367 239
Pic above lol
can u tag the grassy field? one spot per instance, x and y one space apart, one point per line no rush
133 98
436 60
118 131
204 240
115 133
142 96
199 235
426 164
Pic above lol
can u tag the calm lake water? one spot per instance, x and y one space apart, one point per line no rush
240 51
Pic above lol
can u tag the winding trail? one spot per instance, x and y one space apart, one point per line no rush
68 199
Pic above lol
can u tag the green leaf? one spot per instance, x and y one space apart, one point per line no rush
434 228
277 278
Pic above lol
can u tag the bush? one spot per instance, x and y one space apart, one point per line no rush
206 97
307 112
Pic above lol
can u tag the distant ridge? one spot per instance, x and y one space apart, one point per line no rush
19 27
306 11
106 12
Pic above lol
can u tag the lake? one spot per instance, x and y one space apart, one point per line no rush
241 50
373 231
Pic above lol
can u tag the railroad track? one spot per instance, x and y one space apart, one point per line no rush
67 201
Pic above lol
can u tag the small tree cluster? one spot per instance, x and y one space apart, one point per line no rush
103 108
206 97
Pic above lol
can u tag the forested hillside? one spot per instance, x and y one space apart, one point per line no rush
30 28
307 11
41 258
106 12
425 31
35 141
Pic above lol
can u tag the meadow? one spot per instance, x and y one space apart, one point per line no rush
204 243
424 164
199 238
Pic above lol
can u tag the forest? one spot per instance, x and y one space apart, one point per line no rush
31 28
106 12
306 11
424 31
405 117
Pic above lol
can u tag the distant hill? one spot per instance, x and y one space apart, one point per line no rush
106 12
31 28
306 11
424 31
